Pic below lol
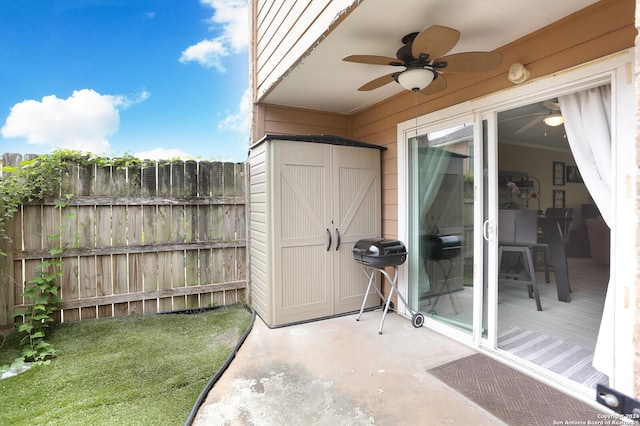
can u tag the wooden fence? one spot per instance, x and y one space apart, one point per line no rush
167 236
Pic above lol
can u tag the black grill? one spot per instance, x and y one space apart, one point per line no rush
379 253
439 247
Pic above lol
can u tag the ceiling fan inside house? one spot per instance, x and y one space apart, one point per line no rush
549 114
422 57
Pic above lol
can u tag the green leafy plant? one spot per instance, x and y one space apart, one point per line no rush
33 180
43 290
41 177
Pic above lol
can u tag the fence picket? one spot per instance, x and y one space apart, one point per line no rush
120 261
136 260
150 260
131 239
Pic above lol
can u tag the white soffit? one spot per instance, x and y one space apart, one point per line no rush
322 81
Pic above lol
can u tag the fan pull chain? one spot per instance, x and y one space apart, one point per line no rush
415 93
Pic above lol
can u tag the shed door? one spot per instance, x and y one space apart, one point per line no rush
356 215
301 231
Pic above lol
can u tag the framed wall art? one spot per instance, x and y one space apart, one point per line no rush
573 174
558 173
558 198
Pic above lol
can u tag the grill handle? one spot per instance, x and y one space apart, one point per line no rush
329 235
337 239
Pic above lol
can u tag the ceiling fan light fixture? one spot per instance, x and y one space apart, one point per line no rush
415 79
553 120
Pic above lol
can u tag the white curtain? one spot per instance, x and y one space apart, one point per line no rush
587 121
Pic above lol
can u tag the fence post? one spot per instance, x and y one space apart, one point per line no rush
7 290
7 279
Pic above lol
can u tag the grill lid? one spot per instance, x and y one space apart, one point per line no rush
379 253
379 247
438 247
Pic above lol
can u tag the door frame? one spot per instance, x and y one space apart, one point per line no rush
616 69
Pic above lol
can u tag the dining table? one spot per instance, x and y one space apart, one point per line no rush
551 227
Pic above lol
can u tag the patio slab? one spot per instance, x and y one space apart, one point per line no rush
340 371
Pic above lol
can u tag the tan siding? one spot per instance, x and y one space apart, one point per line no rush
283 120
260 291
285 31
279 35
606 28
601 29
595 32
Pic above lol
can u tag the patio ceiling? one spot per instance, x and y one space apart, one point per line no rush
322 81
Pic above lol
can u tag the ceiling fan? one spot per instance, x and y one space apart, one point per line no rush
421 56
550 115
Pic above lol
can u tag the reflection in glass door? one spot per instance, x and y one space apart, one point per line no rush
441 225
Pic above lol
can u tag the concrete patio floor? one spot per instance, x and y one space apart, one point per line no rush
341 372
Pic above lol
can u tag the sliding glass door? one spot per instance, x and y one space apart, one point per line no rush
441 224
449 218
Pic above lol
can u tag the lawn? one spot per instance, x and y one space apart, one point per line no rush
136 370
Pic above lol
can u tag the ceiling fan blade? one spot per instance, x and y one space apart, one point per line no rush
373 60
378 82
437 85
529 125
435 40
469 62
519 117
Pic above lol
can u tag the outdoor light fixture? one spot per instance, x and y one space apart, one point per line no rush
518 73
415 79
553 120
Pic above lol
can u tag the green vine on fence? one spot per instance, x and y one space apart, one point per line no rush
41 177
30 181
43 290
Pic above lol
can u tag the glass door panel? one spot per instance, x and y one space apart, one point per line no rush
441 225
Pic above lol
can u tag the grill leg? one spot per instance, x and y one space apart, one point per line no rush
393 283
445 275
371 277
386 308
364 301
387 300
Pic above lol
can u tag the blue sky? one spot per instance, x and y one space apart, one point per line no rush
158 78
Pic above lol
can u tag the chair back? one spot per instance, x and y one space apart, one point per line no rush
517 227
564 213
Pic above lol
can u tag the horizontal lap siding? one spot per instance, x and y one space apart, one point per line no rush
601 29
162 238
277 120
285 30
259 250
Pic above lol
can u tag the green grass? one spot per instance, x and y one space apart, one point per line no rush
137 370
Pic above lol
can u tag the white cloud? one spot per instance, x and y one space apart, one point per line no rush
230 18
162 154
241 120
207 52
81 122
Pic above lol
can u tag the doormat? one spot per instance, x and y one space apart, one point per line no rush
566 359
512 396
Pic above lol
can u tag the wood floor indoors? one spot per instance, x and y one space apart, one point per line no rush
561 337
576 322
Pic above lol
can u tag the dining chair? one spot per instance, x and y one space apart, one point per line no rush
566 214
518 232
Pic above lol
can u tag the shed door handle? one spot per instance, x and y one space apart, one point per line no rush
337 239
329 235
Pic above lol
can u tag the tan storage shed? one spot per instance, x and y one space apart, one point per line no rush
311 199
